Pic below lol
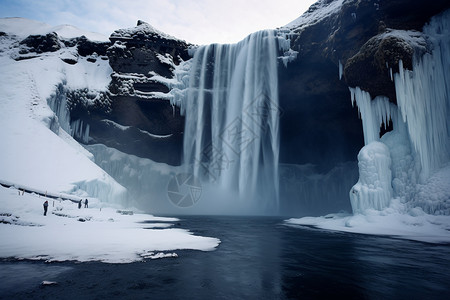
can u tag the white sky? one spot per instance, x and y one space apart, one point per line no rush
196 21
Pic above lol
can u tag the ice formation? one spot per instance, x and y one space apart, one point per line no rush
373 189
419 144
374 113
232 116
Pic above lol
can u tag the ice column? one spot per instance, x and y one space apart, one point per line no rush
373 190
232 116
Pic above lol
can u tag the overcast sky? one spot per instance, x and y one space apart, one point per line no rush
196 21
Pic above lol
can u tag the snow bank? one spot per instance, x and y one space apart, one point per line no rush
87 234
395 221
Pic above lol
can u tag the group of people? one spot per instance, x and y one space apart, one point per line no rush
79 205
85 203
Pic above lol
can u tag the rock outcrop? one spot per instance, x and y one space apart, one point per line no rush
146 124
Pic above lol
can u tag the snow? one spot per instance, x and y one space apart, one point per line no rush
88 234
22 28
317 12
36 151
123 128
414 39
395 221
143 29
166 59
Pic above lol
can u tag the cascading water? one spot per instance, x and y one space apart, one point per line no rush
232 117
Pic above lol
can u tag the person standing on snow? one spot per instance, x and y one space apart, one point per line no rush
45 207
79 204
86 203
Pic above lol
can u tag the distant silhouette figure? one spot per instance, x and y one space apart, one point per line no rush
45 207
79 204
86 203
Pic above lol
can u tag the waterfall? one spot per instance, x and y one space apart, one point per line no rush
231 134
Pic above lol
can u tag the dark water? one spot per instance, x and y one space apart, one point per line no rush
259 258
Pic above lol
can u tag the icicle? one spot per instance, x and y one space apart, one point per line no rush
79 131
341 70
58 104
373 113
423 96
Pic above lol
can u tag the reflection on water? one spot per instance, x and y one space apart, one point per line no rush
259 258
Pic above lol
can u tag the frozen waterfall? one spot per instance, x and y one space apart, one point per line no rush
232 117
419 145
58 103
423 96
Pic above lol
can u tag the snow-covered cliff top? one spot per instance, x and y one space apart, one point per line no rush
318 11
142 29
22 27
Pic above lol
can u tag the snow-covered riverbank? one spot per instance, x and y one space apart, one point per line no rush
88 234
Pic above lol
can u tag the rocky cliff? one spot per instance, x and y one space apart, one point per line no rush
140 119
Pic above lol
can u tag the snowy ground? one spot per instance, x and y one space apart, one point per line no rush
395 221
87 234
